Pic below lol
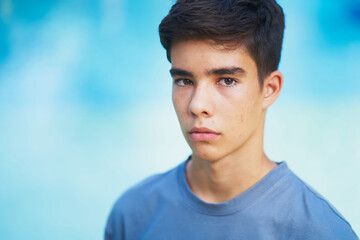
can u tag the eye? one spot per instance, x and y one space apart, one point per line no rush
228 82
182 82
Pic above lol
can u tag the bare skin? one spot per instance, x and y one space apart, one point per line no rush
218 89
220 181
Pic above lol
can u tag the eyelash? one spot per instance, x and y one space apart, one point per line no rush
177 81
233 81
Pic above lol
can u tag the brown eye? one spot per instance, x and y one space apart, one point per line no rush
227 82
187 81
183 82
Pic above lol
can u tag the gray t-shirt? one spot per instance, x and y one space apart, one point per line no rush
279 206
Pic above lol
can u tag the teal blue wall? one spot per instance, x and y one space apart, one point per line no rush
85 108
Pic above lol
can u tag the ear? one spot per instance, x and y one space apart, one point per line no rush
272 88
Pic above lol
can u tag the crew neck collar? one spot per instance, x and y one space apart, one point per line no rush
240 202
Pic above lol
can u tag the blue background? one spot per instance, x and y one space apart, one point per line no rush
86 112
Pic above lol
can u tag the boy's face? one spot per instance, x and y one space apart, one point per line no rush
217 89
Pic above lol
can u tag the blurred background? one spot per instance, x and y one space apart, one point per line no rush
86 112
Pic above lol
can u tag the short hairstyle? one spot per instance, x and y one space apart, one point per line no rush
258 25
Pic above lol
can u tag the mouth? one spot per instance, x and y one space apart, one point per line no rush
203 134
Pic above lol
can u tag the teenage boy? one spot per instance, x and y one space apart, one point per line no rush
224 56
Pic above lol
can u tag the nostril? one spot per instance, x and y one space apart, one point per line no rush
204 112
197 114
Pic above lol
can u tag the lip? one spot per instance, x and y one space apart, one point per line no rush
203 134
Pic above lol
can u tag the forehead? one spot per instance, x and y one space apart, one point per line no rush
206 54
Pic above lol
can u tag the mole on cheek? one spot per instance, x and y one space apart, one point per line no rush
240 117
240 114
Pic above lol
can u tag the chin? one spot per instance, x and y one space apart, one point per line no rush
206 153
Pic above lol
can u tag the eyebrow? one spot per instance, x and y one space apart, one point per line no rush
217 71
180 72
227 70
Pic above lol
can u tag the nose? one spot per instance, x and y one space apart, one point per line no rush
201 104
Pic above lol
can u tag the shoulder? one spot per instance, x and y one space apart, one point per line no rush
316 217
140 203
148 190
148 193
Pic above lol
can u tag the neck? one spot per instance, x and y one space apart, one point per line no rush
223 179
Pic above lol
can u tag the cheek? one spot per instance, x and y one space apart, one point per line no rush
236 125
237 116
180 106
176 101
234 109
248 106
234 119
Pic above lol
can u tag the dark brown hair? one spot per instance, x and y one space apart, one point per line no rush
258 25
